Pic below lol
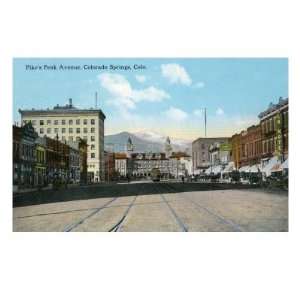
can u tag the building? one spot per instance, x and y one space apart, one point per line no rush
57 157
180 164
129 147
274 130
143 163
27 158
109 158
17 135
200 151
78 161
121 164
250 149
72 124
220 153
74 162
40 176
236 150
168 147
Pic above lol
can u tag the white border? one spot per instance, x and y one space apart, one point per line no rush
148 266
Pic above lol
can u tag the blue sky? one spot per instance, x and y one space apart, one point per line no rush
166 97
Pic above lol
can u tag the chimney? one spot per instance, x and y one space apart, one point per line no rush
70 102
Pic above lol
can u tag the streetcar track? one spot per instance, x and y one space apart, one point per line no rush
85 209
118 225
70 227
218 216
178 220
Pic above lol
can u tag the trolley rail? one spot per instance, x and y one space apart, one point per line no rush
217 216
72 226
118 226
181 224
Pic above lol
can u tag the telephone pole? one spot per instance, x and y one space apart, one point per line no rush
205 120
96 100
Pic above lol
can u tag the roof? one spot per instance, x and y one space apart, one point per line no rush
179 155
210 139
61 110
120 155
274 107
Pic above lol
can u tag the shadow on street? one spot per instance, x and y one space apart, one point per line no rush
117 190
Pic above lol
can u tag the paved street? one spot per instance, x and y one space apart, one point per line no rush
148 206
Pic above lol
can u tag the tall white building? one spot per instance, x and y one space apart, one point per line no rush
70 124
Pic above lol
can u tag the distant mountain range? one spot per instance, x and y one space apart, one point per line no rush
144 142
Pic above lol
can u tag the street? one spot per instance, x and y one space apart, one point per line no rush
147 206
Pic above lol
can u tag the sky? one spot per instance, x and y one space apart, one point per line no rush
165 96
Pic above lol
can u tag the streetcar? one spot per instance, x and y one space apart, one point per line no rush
155 174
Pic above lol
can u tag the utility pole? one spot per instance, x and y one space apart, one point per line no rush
96 100
205 120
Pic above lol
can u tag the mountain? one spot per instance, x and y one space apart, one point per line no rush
144 142
180 144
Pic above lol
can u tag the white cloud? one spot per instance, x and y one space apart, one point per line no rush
199 85
140 78
245 121
198 112
176 114
219 111
176 74
124 95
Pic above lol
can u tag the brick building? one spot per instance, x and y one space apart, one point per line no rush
109 158
274 130
250 146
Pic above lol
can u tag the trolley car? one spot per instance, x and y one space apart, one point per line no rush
155 174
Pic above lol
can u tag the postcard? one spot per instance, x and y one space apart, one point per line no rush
150 144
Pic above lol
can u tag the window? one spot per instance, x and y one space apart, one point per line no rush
285 120
77 130
93 121
55 122
63 122
70 122
63 130
272 124
48 122
63 138
41 130
48 130
55 130
41 122
85 122
78 122
92 146
92 155
70 138
70 130
92 138
77 138
85 138
85 130
33 122
92 129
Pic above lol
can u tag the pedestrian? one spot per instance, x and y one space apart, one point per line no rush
182 179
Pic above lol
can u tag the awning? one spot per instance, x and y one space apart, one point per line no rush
285 164
244 169
208 170
276 168
217 169
270 165
229 167
197 172
254 169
